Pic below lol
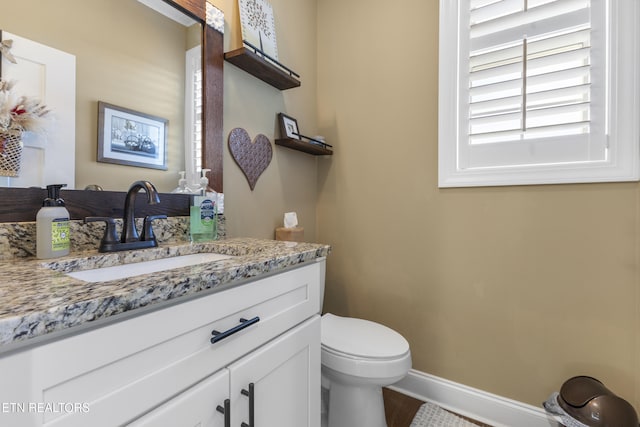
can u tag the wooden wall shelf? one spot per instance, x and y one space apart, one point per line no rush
257 66
307 147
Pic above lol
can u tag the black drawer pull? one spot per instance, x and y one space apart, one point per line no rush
226 410
244 323
251 394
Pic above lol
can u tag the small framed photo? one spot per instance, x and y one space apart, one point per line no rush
288 127
131 138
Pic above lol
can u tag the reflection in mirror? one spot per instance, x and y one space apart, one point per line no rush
45 140
127 55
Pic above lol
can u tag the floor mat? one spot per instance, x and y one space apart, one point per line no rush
430 415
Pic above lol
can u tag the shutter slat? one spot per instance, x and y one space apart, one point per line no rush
495 106
559 61
476 4
537 118
535 101
495 75
557 115
540 132
505 10
573 77
512 13
496 123
559 79
574 39
496 91
491 34
495 58
563 96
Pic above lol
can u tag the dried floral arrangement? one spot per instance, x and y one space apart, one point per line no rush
17 114
20 113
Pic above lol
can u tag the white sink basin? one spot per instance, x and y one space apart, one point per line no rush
134 269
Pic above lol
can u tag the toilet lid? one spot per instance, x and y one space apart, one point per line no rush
361 338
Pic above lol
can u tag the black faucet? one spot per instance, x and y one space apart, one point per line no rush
130 238
129 232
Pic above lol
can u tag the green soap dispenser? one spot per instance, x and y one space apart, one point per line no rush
52 225
203 222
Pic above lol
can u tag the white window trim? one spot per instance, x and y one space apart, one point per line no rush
192 118
623 162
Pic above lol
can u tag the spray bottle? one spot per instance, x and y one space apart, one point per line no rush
52 225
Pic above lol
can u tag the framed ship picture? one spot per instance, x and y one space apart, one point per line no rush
258 25
131 138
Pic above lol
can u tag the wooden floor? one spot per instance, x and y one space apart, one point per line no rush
400 409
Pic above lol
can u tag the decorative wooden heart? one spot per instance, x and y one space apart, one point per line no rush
252 157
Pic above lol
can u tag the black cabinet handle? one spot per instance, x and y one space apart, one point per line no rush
226 410
251 394
244 323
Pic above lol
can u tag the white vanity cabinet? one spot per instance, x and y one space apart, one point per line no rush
284 380
194 407
276 385
161 369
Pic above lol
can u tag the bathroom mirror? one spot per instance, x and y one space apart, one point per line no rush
20 205
129 55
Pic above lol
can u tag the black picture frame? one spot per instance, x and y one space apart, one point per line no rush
131 138
288 127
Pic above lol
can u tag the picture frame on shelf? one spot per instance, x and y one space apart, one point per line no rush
131 138
288 127
258 26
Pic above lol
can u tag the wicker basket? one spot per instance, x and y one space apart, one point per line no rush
10 152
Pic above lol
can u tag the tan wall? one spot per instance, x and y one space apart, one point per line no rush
289 183
511 290
123 52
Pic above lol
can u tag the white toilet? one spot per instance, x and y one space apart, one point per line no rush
359 357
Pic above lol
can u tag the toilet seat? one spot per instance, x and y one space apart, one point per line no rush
363 348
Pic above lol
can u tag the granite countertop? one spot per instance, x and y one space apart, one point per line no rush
37 297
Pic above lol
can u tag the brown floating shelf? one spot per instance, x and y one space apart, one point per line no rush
259 67
307 147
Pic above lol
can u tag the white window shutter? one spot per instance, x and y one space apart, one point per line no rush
193 115
534 95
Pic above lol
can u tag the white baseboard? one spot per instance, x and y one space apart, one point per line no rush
473 403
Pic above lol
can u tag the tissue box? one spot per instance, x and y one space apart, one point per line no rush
293 234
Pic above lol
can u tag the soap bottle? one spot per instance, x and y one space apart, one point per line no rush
182 184
52 225
203 214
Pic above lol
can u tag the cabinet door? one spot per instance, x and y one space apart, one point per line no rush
280 381
198 406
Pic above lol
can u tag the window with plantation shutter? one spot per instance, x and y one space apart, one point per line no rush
538 91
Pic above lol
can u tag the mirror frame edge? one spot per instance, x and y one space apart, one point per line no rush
213 89
22 204
212 86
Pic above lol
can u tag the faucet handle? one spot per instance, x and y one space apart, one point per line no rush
147 229
110 237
